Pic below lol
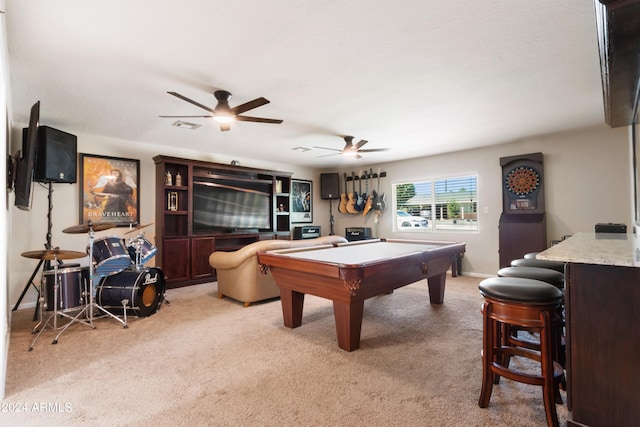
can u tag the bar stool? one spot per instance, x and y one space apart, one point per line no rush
526 303
552 277
541 263
530 255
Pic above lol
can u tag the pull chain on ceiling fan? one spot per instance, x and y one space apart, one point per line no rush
223 114
352 150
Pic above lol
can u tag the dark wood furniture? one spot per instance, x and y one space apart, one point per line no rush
353 272
529 304
618 28
602 292
523 226
183 254
603 372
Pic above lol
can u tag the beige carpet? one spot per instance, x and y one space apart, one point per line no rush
206 361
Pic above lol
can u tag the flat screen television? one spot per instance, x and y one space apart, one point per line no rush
230 208
26 163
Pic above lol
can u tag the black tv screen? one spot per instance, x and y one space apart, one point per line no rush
224 207
25 165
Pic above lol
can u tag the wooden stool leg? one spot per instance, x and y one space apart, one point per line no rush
549 387
488 344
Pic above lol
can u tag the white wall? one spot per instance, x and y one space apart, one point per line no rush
586 176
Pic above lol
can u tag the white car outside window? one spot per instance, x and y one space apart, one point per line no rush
406 220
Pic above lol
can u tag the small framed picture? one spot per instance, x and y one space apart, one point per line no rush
109 190
301 201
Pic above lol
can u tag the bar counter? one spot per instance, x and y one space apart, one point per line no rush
602 307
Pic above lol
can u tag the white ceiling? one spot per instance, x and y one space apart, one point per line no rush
419 76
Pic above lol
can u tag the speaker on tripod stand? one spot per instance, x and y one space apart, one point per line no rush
55 161
330 190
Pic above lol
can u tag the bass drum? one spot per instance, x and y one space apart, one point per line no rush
144 290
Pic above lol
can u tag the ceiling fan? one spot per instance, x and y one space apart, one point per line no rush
223 114
352 150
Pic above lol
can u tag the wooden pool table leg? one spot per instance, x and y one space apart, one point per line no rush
436 288
292 304
348 318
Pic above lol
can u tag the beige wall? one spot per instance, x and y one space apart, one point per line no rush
586 181
29 229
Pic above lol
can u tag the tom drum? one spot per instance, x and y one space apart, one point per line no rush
72 284
147 250
110 256
144 290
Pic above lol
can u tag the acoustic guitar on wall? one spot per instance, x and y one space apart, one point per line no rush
353 196
344 199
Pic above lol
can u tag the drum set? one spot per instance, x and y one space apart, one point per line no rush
115 282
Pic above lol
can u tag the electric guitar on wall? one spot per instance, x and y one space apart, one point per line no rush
382 204
353 196
342 207
368 204
360 199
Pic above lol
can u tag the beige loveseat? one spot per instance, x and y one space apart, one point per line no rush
239 275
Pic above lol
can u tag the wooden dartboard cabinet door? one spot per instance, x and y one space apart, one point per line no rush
522 226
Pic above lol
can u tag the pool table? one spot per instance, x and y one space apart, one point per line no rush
349 273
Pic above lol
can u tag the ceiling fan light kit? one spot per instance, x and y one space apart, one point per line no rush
352 150
223 114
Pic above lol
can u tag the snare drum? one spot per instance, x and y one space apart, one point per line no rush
72 287
110 256
147 250
143 289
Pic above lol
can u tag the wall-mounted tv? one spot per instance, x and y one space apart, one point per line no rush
231 207
25 164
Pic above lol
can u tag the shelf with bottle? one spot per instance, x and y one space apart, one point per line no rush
176 177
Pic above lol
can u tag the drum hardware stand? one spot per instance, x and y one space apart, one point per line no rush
92 293
54 316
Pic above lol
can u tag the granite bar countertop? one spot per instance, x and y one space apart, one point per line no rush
596 248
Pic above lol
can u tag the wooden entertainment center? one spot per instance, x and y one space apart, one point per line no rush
183 253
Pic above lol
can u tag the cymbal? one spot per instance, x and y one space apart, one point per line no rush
139 227
51 254
84 228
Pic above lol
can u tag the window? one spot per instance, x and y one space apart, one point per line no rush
448 204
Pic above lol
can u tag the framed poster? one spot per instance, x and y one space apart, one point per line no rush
301 201
109 190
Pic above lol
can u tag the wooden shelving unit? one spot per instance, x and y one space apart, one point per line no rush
183 254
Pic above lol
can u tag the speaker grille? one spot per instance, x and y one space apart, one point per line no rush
329 186
56 156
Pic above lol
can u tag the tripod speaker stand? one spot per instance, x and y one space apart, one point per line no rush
47 262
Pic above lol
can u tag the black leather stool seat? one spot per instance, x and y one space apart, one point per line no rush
517 289
547 275
541 263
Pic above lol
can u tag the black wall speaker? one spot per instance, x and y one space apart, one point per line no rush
56 156
329 186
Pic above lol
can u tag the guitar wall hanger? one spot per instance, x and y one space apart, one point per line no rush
364 176
357 201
